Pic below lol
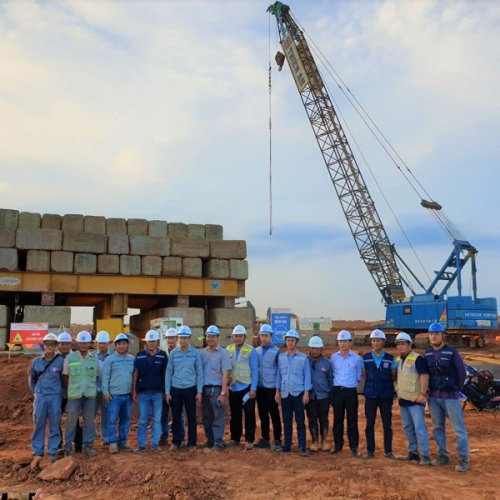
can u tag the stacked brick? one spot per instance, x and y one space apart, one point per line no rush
81 244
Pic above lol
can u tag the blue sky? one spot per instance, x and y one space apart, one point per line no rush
159 110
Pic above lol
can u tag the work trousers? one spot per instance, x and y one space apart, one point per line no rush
165 421
46 409
317 411
183 398
85 406
237 409
102 407
266 404
345 403
385 407
149 404
78 434
293 406
214 418
119 408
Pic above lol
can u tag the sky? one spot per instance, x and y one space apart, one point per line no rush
160 110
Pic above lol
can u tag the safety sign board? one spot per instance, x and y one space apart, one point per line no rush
28 333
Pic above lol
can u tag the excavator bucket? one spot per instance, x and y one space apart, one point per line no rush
280 60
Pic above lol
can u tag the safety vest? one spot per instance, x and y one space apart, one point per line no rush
442 373
408 383
267 366
378 382
82 375
151 376
240 371
292 373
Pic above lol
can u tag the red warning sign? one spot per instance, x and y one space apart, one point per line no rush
28 333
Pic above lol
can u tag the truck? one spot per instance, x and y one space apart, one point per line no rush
467 319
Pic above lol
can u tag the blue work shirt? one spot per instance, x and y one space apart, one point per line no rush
184 369
214 363
50 383
103 357
98 380
321 378
118 375
289 380
347 370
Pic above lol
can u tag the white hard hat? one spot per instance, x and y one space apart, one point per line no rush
292 334
212 330
239 330
50 337
316 341
377 334
184 331
64 337
344 335
151 335
171 332
121 336
403 337
102 337
266 329
84 336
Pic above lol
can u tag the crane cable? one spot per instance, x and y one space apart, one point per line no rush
270 141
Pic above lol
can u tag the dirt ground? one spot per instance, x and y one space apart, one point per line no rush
256 474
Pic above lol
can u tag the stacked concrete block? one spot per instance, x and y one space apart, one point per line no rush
216 268
5 318
116 226
38 261
157 228
130 265
196 231
108 264
149 245
39 239
72 223
118 244
224 302
228 249
184 247
51 221
3 338
61 262
9 218
238 269
9 259
85 242
28 220
177 230
191 316
198 337
192 267
151 265
213 232
85 263
92 224
7 237
226 337
172 266
229 318
137 227
55 316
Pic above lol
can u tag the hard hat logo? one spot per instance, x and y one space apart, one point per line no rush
151 336
377 334
344 335
84 336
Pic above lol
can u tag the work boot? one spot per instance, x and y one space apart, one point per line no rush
35 462
140 449
68 453
231 442
89 451
441 460
462 466
324 445
113 448
263 443
217 448
411 457
369 455
248 446
303 452
174 448
125 447
206 444
163 440
391 456
276 446
425 460
314 446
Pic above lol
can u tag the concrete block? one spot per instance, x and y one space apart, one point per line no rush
118 244
229 318
228 249
172 266
213 232
198 337
149 245
223 303
195 231
185 247
192 267
7 237
51 221
29 220
226 337
191 316
72 223
39 239
3 338
9 218
53 315
93 224
130 265
108 264
85 263
157 228
240 290
5 316
151 265
9 259
116 226
38 261
137 227
216 268
85 242
238 269
177 230
61 262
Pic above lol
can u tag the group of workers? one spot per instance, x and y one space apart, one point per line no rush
170 384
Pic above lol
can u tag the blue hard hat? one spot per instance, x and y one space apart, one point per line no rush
184 331
121 336
266 329
436 327
292 334
212 330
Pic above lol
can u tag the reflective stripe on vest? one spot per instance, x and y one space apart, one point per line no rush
82 376
442 373
241 371
379 383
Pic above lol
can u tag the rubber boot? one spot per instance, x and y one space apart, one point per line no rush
324 445
314 445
